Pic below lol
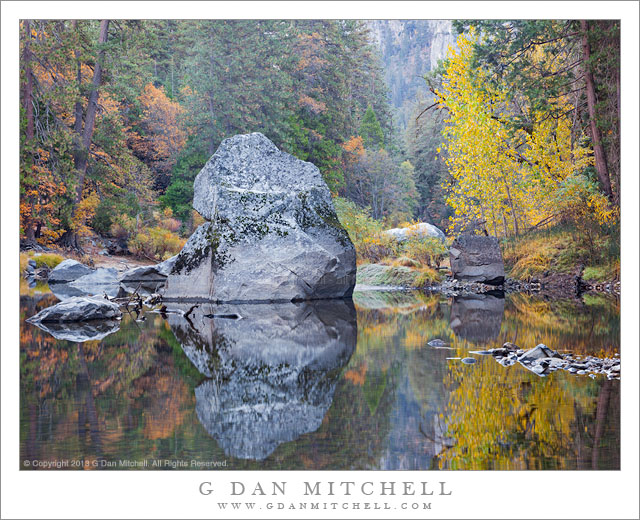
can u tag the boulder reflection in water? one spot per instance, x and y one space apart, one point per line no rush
477 318
271 373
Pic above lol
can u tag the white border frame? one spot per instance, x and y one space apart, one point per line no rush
155 494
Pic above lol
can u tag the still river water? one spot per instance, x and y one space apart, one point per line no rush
332 385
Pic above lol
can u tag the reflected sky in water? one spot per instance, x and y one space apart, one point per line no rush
329 385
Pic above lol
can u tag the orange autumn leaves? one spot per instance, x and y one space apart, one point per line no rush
161 133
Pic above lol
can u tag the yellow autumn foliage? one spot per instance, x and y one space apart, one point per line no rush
509 175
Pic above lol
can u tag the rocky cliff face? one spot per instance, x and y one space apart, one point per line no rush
410 49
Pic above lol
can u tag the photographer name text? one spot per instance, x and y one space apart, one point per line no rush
328 488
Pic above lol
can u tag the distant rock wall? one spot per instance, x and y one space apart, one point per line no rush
409 49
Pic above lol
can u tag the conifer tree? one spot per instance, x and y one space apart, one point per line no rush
371 131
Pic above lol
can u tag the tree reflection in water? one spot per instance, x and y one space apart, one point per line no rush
300 387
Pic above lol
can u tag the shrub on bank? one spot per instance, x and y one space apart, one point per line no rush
373 245
365 232
428 251
154 239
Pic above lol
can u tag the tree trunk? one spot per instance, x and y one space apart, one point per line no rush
82 139
77 124
82 157
28 89
513 210
598 148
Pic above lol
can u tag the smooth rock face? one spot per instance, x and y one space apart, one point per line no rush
477 259
68 270
477 317
99 281
419 229
79 308
271 368
272 233
150 273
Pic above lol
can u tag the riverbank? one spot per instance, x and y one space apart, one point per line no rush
560 261
563 259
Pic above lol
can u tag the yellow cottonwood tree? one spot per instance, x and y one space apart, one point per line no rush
509 176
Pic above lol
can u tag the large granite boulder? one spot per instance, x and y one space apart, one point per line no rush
271 369
421 229
67 271
477 258
79 308
271 234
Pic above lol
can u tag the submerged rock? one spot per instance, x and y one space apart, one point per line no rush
477 259
68 270
271 368
79 308
271 234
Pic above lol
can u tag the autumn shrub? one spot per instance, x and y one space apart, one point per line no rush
158 241
366 233
428 251
123 226
405 261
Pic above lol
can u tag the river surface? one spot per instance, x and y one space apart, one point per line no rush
330 385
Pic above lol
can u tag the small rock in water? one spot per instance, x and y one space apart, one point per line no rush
436 343
468 361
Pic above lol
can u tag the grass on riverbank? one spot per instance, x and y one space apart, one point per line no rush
562 249
397 275
49 260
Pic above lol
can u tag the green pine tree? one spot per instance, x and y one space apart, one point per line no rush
371 131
